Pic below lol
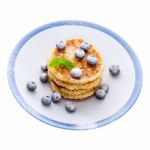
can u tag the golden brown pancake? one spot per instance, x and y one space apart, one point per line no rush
77 86
90 72
61 79
72 97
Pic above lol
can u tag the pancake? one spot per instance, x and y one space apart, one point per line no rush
72 97
78 86
75 88
74 92
89 73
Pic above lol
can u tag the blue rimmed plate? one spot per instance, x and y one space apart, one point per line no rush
32 51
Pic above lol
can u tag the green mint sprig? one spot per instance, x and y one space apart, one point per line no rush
61 61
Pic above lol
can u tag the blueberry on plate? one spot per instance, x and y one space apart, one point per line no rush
46 100
44 68
85 46
31 86
56 97
70 107
76 72
44 77
114 70
92 60
60 45
79 53
105 87
100 94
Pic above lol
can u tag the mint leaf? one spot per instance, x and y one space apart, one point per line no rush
61 61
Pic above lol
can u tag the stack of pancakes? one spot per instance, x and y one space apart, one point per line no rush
75 88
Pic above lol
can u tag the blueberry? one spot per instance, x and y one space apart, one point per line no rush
44 77
46 100
105 87
100 94
76 72
70 107
44 67
31 86
85 46
92 60
114 70
79 53
60 45
56 97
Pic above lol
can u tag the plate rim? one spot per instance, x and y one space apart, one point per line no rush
123 110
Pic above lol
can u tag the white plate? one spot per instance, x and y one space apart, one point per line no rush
32 51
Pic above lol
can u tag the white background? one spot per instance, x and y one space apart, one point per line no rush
128 18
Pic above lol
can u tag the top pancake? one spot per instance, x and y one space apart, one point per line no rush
90 72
